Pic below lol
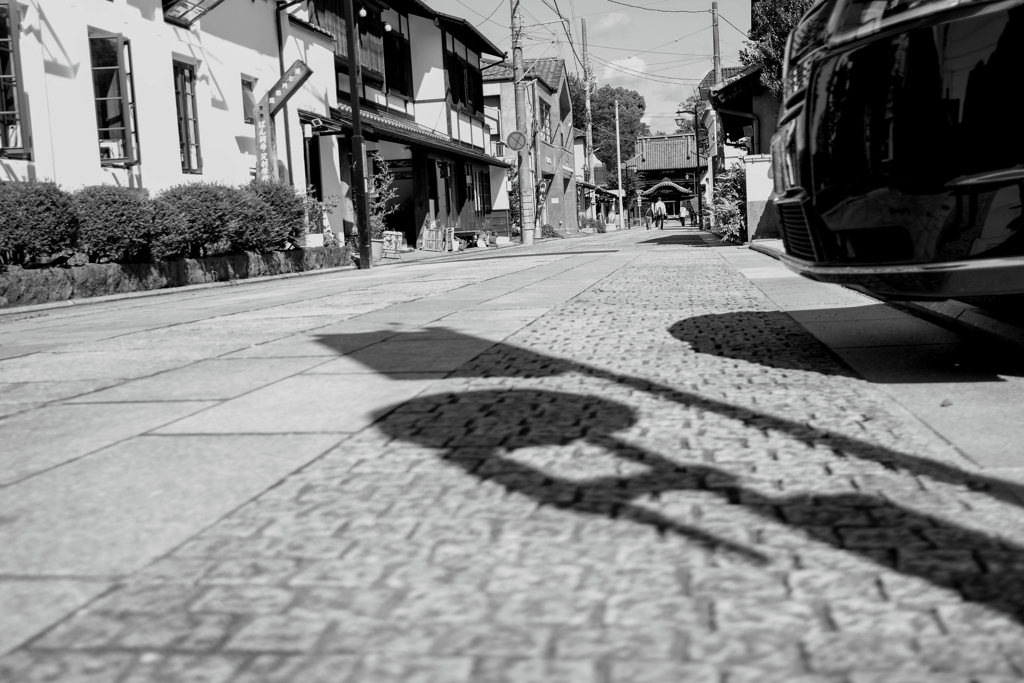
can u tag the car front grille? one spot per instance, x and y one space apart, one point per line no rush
796 231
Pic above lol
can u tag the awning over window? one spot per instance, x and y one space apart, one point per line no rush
395 129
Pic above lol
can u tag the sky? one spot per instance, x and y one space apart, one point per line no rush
660 48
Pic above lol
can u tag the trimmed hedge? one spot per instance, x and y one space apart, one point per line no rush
114 224
41 223
38 222
287 211
209 211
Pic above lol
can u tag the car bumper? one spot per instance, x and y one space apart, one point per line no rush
934 281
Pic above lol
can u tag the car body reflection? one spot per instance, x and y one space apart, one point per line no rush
897 171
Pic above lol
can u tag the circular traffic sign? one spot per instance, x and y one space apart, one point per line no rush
516 140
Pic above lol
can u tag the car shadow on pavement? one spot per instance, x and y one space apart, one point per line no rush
479 431
741 336
677 240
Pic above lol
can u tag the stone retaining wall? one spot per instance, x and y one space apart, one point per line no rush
24 287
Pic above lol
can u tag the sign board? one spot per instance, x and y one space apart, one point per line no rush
286 86
433 237
516 140
392 244
401 169
266 133
266 142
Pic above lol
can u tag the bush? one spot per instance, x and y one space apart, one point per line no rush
547 230
730 204
287 213
209 212
114 223
254 226
168 236
37 222
593 224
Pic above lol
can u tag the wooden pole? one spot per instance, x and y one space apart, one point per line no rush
618 160
526 199
359 198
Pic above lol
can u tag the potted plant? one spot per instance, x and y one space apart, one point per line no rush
382 194
317 226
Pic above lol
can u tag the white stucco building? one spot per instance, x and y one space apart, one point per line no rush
152 93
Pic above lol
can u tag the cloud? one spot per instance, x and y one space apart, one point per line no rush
621 71
613 21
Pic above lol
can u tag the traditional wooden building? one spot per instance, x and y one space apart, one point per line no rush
551 199
749 114
668 170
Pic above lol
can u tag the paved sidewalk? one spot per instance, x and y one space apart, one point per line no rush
624 459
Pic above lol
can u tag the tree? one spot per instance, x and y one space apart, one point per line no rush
691 102
578 96
771 23
602 109
730 204
630 181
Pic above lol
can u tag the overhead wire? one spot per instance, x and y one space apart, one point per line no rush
666 11
568 34
497 7
722 17
487 18
667 80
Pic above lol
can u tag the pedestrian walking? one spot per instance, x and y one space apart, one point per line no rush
648 216
659 214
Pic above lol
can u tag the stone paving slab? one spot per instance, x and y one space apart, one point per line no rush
662 478
128 504
29 607
55 434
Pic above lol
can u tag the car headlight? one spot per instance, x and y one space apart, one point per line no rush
797 78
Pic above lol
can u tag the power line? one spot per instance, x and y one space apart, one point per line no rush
666 80
666 11
652 52
499 6
733 25
487 18
688 35
568 35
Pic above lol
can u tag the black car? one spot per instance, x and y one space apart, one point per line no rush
899 158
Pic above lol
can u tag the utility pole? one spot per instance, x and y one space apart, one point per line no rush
618 161
589 149
714 38
713 130
526 205
358 146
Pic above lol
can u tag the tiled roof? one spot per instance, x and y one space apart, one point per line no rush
709 80
663 153
393 127
731 86
496 71
548 70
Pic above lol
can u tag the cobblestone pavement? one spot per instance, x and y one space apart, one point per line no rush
663 479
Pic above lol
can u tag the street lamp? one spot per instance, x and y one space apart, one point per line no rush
681 116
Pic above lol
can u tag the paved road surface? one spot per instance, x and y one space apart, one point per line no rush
629 458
